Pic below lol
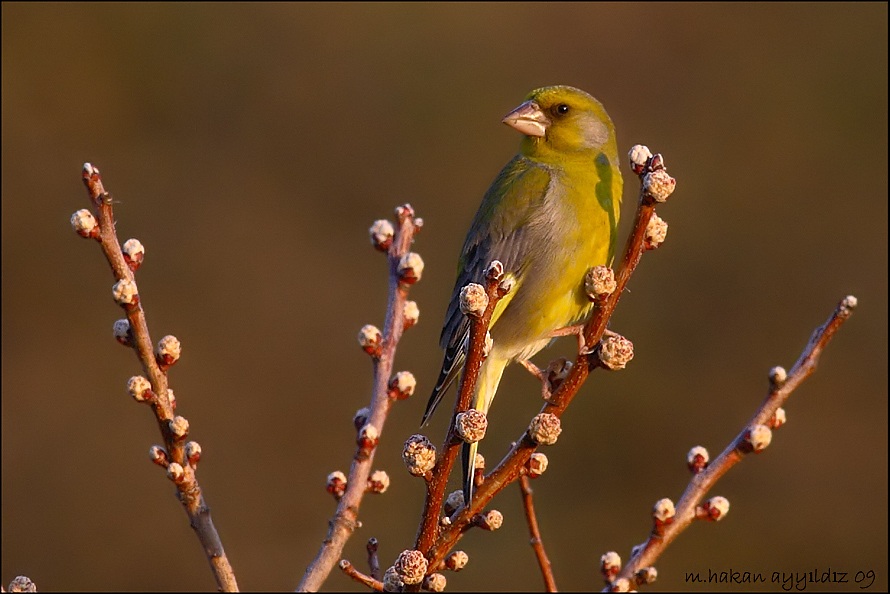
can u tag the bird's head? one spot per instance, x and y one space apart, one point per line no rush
561 120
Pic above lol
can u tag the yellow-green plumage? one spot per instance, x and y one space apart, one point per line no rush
550 214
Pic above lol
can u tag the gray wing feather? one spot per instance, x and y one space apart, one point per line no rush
486 241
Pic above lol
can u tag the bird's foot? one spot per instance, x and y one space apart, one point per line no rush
584 350
541 374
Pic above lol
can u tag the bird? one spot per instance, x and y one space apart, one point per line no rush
550 214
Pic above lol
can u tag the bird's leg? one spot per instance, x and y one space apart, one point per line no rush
578 331
532 368
539 373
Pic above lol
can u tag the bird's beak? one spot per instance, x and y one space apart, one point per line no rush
528 119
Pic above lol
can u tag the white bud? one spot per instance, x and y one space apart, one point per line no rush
473 300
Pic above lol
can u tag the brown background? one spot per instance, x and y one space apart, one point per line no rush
249 147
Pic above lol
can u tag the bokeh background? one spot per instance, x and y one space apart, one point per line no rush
249 147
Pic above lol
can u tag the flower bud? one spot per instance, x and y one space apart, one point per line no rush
85 224
371 340
495 270
639 156
193 453
647 575
544 429
697 459
168 351
22 583
615 352
410 268
490 520
456 560
175 472
361 417
411 566
779 418
124 292
381 233
378 482
122 333
664 511
404 211
435 582
419 455
537 465
610 565
402 385
656 232
411 313
471 425
336 484
777 377
134 253
759 437
158 455
179 427
658 185
599 282
391 581
368 437
453 502
714 509
473 300
139 388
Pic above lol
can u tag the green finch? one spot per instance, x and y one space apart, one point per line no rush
550 214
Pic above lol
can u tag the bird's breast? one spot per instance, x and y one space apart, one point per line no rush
571 232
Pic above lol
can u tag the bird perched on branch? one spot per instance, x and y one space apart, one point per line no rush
551 213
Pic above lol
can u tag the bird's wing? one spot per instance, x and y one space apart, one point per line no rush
499 232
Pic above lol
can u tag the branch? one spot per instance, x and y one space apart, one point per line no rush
361 578
535 534
179 457
437 479
755 437
404 270
648 231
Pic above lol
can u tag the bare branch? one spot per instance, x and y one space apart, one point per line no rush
179 456
535 534
404 270
754 437
361 578
656 186
438 480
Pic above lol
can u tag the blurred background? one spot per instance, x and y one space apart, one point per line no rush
249 148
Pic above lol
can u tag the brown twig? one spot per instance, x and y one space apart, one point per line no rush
172 429
358 576
535 534
688 508
345 519
373 558
656 185
438 478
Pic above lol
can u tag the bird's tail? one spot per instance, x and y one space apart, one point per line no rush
451 367
486 386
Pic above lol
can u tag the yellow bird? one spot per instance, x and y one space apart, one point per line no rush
550 214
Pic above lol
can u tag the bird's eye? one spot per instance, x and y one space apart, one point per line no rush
561 109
